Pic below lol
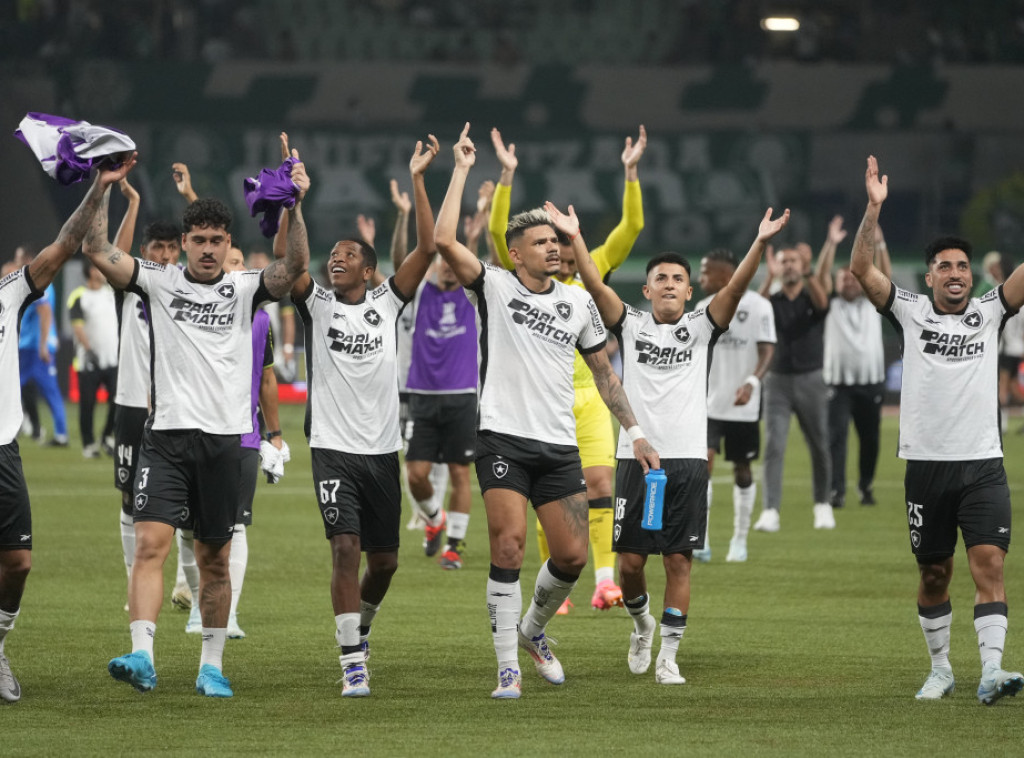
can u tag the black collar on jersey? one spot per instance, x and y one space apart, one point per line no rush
960 312
360 301
548 291
190 278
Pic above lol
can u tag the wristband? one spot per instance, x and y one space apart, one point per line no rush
576 235
753 381
271 435
635 433
289 348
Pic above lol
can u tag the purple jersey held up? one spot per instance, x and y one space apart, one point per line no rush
262 356
443 343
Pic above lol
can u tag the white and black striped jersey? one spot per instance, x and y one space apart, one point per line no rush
352 369
133 375
949 405
528 344
735 358
16 291
853 343
665 375
201 346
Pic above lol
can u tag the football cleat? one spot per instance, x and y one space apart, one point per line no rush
432 536
768 521
10 690
939 683
823 517
194 625
355 681
181 597
509 685
136 669
667 672
606 595
737 551
451 558
563 609
996 683
640 644
234 630
703 555
545 661
212 683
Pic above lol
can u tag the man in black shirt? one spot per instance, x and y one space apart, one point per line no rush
795 383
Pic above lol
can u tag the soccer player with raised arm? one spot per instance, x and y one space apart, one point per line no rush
531 327
593 421
189 470
949 437
665 354
17 290
352 426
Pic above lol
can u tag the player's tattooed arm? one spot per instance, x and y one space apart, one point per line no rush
614 396
291 272
877 285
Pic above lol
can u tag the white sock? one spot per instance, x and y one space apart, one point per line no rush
6 624
347 634
128 541
430 512
605 573
367 613
639 610
458 524
187 563
142 637
179 573
936 633
743 507
504 604
213 647
991 639
439 481
549 593
670 636
710 491
237 561
707 528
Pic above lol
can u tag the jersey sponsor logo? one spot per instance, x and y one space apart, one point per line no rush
564 310
207 315
320 294
682 334
595 317
950 345
990 295
538 321
649 354
378 293
972 320
500 468
909 297
140 501
354 344
371 317
741 316
226 290
150 264
331 515
9 278
25 537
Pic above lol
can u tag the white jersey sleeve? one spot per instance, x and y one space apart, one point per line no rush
949 407
201 336
665 375
528 343
133 377
16 292
352 369
735 358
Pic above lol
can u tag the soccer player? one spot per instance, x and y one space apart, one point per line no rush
352 426
665 354
94 320
742 357
532 325
854 371
949 436
189 467
593 422
17 289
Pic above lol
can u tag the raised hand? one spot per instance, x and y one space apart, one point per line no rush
299 175
465 150
423 155
182 179
774 267
567 224
769 227
367 229
400 199
285 152
878 189
109 175
634 150
836 233
130 193
484 196
506 155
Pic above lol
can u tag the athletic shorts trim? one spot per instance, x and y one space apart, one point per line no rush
540 471
250 470
942 496
360 495
594 434
684 514
742 439
15 510
442 428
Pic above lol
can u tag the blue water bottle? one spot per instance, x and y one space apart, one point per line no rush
654 498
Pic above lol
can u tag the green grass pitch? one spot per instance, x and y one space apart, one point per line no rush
810 648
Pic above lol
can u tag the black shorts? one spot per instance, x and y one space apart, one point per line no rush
129 424
442 428
1010 364
190 480
540 471
361 495
15 513
250 462
944 495
742 439
684 514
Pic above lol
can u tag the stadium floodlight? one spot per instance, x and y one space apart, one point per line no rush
780 24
